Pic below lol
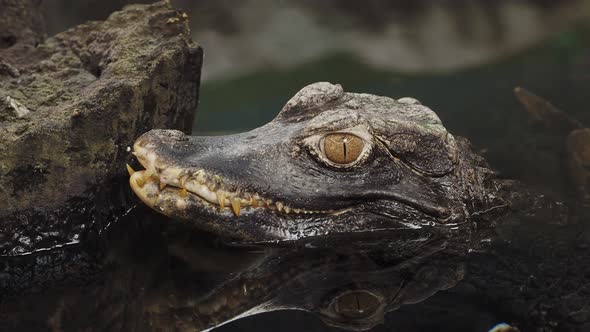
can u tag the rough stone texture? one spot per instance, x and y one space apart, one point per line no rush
20 21
70 106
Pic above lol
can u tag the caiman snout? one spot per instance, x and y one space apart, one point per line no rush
149 183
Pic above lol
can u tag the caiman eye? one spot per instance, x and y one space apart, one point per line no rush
357 304
343 148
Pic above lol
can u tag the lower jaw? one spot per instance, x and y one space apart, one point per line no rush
149 189
176 202
223 221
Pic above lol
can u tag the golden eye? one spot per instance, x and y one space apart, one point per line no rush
343 148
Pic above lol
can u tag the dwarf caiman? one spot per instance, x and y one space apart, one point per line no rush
356 205
330 162
333 162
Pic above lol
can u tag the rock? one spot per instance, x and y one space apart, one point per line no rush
21 21
70 107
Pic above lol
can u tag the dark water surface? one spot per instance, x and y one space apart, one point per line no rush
156 273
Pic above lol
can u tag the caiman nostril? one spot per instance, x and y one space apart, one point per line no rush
160 137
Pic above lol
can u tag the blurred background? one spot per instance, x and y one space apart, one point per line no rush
462 58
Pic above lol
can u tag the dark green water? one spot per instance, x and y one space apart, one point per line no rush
557 69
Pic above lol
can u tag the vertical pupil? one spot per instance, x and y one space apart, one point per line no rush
342 148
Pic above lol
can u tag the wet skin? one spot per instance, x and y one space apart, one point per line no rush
330 162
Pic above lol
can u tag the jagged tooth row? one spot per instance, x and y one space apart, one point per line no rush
199 179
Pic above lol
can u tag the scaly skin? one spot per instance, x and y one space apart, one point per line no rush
278 183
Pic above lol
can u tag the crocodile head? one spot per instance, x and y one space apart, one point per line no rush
330 162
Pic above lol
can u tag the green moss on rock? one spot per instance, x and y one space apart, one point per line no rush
90 91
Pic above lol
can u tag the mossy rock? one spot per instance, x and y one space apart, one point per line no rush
72 104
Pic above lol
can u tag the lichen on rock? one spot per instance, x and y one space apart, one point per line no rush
88 93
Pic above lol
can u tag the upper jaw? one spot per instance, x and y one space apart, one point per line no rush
209 187
215 192
268 223
173 185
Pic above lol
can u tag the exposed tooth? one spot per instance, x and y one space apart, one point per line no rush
130 170
221 199
148 172
235 204
140 181
197 184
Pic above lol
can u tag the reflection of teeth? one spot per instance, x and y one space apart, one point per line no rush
211 188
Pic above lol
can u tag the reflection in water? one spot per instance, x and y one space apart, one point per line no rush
351 287
158 274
